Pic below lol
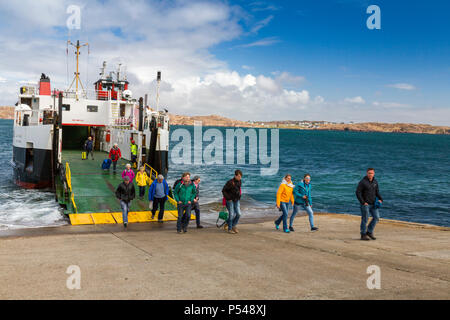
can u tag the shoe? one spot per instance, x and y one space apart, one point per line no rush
371 236
184 230
235 230
125 224
291 229
277 226
153 216
231 231
314 229
287 231
160 221
225 226
199 226
365 237
179 231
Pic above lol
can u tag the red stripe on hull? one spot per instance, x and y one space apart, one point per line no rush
83 125
30 185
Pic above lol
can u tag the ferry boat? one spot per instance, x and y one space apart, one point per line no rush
51 127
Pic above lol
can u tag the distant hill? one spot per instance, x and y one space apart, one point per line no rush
6 112
212 120
219 121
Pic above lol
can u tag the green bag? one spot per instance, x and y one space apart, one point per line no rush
223 215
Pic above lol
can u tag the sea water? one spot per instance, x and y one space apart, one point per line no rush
412 171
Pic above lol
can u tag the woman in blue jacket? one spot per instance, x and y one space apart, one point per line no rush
157 194
302 197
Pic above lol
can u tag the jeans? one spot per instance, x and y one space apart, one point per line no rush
234 213
184 215
196 208
141 191
125 208
285 211
158 202
308 210
365 217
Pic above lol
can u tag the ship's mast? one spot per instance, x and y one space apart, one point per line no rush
77 74
158 81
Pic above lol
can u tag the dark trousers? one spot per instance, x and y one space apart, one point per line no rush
134 159
196 208
184 215
158 202
91 152
142 191
114 163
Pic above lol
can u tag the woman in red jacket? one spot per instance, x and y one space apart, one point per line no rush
115 155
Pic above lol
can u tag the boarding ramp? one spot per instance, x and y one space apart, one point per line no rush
90 192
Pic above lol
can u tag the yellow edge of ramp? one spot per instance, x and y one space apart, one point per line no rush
102 218
79 219
116 217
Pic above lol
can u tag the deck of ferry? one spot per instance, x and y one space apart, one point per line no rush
94 192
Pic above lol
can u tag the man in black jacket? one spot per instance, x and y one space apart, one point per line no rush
125 193
367 194
232 194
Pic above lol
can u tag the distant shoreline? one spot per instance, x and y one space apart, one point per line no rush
219 121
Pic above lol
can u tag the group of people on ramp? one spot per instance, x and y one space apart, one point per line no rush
186 194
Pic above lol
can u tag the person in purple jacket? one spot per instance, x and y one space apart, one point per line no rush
128 172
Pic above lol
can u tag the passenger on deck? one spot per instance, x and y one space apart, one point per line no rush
125 192
115 155
157 195
89 146
134 150
142 181
128 172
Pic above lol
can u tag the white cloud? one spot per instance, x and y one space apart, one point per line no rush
390 104
355 100
402 86
261 24
261 43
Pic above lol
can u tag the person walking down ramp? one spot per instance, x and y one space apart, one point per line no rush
115 155
302 197
370 200
142 181
184 195
89 146
157 195
284 196
128 172
125 192
232 194
134 151
195 204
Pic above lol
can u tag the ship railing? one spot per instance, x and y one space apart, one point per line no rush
86 94
69 185
154 173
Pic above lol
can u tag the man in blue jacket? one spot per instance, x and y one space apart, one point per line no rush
302 197
89 146
157 195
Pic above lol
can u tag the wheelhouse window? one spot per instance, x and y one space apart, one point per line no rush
92 108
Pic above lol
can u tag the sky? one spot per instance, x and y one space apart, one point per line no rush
248 60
